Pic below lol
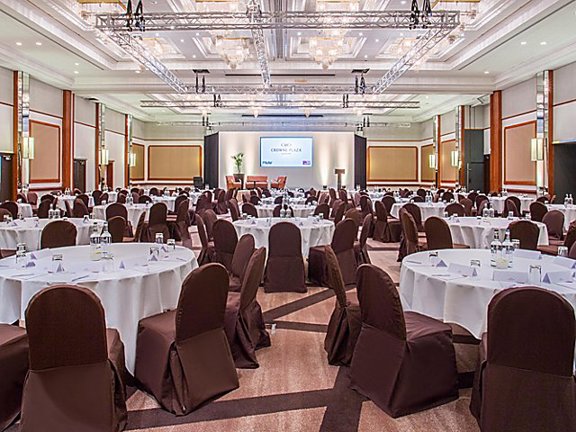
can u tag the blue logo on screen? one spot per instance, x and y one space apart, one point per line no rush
306 163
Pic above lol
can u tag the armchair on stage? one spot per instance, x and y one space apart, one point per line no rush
231 183
279 183
254 181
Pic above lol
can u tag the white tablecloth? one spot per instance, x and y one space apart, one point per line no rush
497 203
569 213
25 209
70 198
313 233
26 232
300 211
463 300
478 234
141 290
427 209
134 212
292 201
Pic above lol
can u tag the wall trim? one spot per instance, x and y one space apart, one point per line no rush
513 182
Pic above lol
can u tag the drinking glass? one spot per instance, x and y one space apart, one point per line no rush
562 251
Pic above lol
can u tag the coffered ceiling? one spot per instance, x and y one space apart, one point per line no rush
499 43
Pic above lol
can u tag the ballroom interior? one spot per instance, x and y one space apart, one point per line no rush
287 215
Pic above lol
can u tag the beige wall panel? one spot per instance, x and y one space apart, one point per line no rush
393 164
448 172
518 166
428 174
174 162
45 167
137 172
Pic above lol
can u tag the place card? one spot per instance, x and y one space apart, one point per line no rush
556 277
462 270
565 262
528 254
510 276
441 264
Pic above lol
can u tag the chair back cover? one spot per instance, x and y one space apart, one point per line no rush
537 211
58 233
249 209
117 227
242 253
366 230
234 210
80 209
202 231
210 219
322 209
527 232
554 221
12 207
409 232
455 209
225 241
416 214
253 276
285 265
438 235
510 206
388 202
468 204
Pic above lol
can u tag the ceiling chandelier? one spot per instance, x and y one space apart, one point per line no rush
326 49
233 50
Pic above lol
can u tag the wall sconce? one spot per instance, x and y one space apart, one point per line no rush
455 158
537 149
28 148
104 156
132 159
432 161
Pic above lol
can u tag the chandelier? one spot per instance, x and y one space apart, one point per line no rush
233 50
326 49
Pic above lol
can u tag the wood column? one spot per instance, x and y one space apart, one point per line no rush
67 139
550 137
126 153
15 137
97 147
462 168
495 141
439 151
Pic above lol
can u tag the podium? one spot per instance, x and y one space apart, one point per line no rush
339 172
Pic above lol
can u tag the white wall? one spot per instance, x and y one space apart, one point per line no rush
331 150
46 99
519 99
6 131
85 148
115 145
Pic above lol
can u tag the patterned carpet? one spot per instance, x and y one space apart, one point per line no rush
296 390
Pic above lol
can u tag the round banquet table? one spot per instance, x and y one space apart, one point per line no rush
427 209
61 201
134 212
300 211
569 213
168 200
445 295
132 289
497 203
479 233
314 233
25 209
291 201
26 231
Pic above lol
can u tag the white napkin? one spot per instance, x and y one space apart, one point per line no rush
510 276
556 277
56 267
441 264
462 270
565 262
528 254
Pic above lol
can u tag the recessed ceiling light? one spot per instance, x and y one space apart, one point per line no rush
157 35
523 43
76 64
38 43
137 71
543 43
401 34
365 55
403 2
377 40
19 43
486 72
197 34
193 55
360 34
181 40
76 72
299 33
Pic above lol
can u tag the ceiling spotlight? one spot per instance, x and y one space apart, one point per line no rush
76 64
523 43
197 34
19 43
137 71
543 43
181 40
76 72
360 34
486 72
377 40
299 33
157 34
38 43
193 55
365 56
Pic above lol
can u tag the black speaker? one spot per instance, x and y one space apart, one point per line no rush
360 144
211 154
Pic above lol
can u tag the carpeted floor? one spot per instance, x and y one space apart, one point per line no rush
295 389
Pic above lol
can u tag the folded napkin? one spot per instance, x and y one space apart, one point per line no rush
565 262
462 270
56 267
441 264
556 277
510 276
528 254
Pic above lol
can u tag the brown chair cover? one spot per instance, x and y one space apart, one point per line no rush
525 231
312 199
13 369
154 191
12 207
32 198
183 224
343 195
182 357
254 199
77 371
104 198
332 195
344 325
80 209
339 213
385 230
97 194
403 362
225 241
121 198
116 209
455 209
179 200
234 210
249 209
355 215
244 322
140 229
510 206
343 246
85 199
210 219
48 197
242 254
388 202
516 202
157 222
472 196
117 228
43 209
438 235
479 199
322 209
360 248
285 265
22 197
447 197
554 221
468 204
221 207
58 233
206 254
484 204
365 206
334 207
525 381
416 214
538 211
409 243
202 204
144 199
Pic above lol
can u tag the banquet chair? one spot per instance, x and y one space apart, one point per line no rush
484 204
285 266
360 248
403 361
385 230
77 372
13 369
421 193
322 209
32 198
334 207
455 209
143 199
225 241
344 325
525 379
343 195
179 200
410 242
121 198
85 199
545 199
135 197
447 197
182 357
97 194
438 235
117 228
511 207
341 208
417 199
569 240
554 221
343 246
242 253
468 205
472 196
278 200
311 199
104 198
210 219
255 199
80 209
206 254
154 191
234 209
3 213
244 323
478 201
525 231
157 222
516 202
366 206
12 207
58 233
538 211
20 196
43 209
221 207
48 197
278 211
388 202
68 212
183 224
416 213
249 209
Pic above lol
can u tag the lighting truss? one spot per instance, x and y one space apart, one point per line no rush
255 16
283 89
279 104
210 21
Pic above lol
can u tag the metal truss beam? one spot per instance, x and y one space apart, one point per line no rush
283 89
273 104
210 21
255 16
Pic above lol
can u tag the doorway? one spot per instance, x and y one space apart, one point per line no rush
110 174
474 159
6 172
79 176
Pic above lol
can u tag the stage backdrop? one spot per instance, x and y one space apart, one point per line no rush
330 150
